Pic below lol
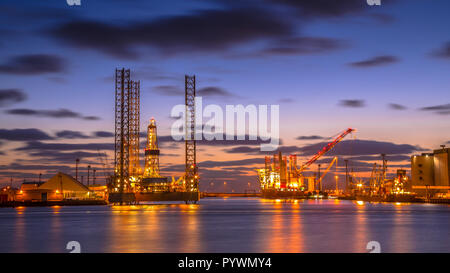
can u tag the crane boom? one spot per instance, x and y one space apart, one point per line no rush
335 160
325 149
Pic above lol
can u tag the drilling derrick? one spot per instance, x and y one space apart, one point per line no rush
151 152
152 181
266 173
126 155
122 135
134 97
191 175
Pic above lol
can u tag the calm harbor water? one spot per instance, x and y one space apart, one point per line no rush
229 225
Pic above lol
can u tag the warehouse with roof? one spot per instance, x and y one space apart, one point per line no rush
60 187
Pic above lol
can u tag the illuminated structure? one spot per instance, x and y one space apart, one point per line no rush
127 112
430 172
191 170
151 152
278 175
135 168
152 181
132 185
325 149
400 182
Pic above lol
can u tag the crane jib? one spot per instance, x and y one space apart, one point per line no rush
325 149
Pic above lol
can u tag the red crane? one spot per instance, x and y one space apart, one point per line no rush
325 149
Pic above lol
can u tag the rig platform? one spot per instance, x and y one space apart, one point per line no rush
134 198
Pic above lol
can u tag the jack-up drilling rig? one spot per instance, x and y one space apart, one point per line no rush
132 184
126 148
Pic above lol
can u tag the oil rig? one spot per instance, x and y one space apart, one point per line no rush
282 178
131 184
151 180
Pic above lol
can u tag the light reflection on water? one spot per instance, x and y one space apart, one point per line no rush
229 225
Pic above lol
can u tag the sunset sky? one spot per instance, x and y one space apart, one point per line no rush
330 65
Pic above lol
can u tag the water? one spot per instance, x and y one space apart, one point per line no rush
229 225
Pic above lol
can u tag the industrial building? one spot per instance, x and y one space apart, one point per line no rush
430 172
59 187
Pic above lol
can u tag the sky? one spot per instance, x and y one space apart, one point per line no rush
330 65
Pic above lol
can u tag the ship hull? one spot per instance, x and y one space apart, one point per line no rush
277 194
388 198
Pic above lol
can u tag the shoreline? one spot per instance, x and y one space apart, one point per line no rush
214 195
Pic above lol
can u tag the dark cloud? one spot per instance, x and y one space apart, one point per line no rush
324 8
23 134
71 134
201 31
352 103
396 106
361 147
173 167
10 96
176 91
33 65
40 146
303 46
213 91
242 162
221 175
168 139
60 113
344 148
155 73
375 61
443 109
20 15
34 167
103 134
91 118
443 52
63 157
310 137
378 158
257 150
